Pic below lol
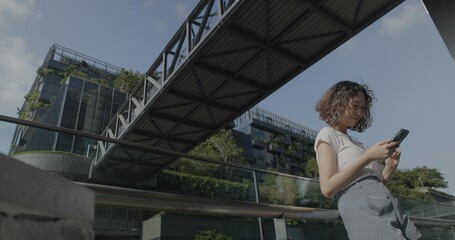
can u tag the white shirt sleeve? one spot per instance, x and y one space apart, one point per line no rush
328 136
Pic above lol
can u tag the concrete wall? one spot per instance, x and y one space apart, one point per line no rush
37 205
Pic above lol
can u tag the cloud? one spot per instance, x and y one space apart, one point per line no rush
13 9
17 71
17 64
181 10
410 14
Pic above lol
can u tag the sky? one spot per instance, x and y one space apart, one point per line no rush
401 57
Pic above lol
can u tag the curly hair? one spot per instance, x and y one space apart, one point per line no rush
336 99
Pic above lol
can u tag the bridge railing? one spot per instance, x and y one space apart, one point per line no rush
203 19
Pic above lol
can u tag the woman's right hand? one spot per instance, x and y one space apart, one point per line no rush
380 151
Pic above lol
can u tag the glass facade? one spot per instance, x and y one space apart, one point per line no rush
79 105
85 103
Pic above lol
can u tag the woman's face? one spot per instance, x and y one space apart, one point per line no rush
355 110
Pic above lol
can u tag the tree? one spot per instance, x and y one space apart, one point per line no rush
127 80
311 167
406 182
221 147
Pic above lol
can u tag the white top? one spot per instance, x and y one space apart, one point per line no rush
348 150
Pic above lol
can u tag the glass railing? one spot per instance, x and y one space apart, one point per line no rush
200 177
420 208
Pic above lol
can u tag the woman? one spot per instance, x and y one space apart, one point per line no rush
351 172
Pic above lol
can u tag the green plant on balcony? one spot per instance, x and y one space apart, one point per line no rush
211 234
280 161
297 147
100 81
44 71
258 142
72 70
276 146
31 104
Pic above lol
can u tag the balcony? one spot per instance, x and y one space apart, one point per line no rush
276 148
258 143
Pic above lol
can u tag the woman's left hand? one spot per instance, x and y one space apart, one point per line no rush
393 161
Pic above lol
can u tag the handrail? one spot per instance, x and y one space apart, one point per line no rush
126 197
432 222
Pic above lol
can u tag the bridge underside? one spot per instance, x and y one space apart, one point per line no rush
253 49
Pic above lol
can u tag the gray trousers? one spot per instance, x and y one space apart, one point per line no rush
370 211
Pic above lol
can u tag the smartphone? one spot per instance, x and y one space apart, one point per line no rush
400 136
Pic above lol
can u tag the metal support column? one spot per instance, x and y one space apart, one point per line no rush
280 229
258 200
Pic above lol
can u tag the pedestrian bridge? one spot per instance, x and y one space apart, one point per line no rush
226 57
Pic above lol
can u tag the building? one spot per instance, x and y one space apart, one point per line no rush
79 105
73 91
274 142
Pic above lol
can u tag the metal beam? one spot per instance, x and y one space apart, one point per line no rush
327 16
174 119
311 37
297 23
241 94
152 135
204 102
238 79
267 47
208 9
226 53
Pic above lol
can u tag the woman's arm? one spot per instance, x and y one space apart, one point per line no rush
391 164
331 181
